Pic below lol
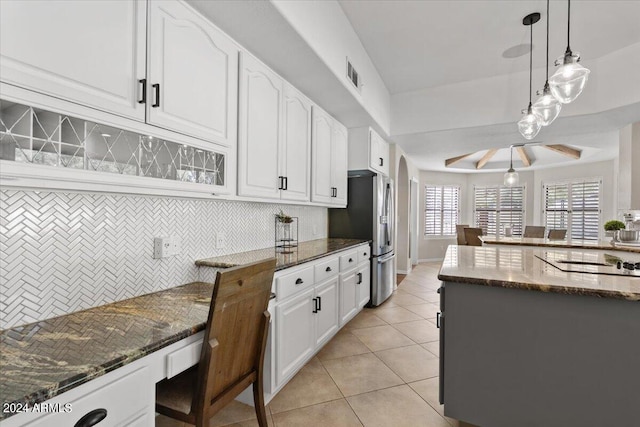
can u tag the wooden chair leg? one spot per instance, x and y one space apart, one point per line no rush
258 402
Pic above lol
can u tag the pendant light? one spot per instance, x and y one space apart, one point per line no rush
529 125
568 82
511 178
547 107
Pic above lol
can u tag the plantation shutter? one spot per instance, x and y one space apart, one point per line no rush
573 206
511 208
495 207
442 209
556 204
486 205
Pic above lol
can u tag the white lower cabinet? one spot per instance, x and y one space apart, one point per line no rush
327 298
364 283
348 296
295 341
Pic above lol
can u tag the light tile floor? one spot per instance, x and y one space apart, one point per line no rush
381 369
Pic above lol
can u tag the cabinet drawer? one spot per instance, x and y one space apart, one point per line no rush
327 269
291 283
348 260
364 253
124 400
183 359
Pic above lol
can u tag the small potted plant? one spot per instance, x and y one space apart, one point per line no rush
286 219
612 226
285 238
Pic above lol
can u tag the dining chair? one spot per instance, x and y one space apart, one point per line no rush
233 349
460 233
533 231
471 235
557 234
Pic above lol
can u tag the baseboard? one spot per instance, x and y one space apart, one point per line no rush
405 272
430 260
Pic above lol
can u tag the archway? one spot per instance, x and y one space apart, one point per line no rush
403 213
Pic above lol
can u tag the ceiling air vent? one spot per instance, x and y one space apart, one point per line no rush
353 76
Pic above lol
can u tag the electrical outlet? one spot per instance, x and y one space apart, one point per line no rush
221 240
176 245
161 247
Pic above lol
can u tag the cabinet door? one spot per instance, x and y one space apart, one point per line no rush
364 284
296 145
321 169
348 296
379 153
327 317
294 325
89 52
196 68
259 134
340 155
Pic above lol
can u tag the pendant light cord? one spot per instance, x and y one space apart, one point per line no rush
530 62
568 23
511 161
547 81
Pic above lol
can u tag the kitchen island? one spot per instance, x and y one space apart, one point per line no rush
602 244
529 341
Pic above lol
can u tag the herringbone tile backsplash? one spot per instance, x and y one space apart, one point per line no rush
64 252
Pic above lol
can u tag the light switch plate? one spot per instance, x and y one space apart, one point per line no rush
221 240
161 247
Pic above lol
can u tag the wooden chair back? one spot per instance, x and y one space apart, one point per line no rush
460 233
557 234
235 337
534 231
472 235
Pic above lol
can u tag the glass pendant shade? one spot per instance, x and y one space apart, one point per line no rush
547 107
529 125
511 178
568 82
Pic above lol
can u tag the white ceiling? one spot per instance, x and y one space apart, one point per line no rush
420 44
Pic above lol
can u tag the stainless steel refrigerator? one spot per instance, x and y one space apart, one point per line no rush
370 215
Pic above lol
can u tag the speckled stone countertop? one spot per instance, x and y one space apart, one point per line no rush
520 268
567 243
305 252
41 360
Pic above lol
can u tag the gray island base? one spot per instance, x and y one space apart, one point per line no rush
520 356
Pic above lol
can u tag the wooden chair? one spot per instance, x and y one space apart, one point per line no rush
557 234
534 231
471 235
460 233
232 353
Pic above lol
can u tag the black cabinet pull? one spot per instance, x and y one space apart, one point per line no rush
327 269
381 161
319 303
286 183
280 183
335 191
156 88
438 320
350 259
359 278
143 82
299 281
92 418
315 305
364 253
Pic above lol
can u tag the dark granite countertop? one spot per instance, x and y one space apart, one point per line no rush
565 243
523 268
41 360
305 252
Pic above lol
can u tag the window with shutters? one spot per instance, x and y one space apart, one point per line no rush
573 206
441 210
498 206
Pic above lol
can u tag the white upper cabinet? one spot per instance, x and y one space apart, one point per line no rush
88 52
339 164
329 160
368 150
378 153
274 139
295 160
260 129
192 78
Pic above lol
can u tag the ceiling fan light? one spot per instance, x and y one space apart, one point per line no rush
511 178
547 107
529 124
569 80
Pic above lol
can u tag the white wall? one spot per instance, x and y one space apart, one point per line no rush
325 27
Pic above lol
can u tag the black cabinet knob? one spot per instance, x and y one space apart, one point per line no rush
299 281
327 269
